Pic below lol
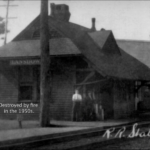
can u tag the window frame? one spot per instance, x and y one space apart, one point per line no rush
25 83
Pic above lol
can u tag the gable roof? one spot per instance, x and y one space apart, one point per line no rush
34 28
100 37
106 41
138 49
79 40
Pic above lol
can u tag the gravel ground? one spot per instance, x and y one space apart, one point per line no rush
138 144
133 143
64 146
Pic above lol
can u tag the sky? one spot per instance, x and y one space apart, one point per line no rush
127 19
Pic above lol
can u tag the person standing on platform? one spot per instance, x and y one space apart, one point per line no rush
91 108
83 108
94 97
77 99
101 112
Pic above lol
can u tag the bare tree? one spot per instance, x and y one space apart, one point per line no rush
2 26
45 66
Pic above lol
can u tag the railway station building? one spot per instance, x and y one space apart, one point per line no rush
83 58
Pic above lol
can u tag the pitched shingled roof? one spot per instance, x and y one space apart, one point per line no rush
119 66
31 48
137 49
34 26
79 40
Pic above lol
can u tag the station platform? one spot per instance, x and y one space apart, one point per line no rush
31 130
100 124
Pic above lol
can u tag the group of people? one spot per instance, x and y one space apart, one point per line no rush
86 107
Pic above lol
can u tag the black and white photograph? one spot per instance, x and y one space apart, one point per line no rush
74 75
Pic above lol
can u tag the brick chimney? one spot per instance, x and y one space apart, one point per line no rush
93 24
60 12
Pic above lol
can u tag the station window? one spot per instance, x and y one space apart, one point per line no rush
25 83
25 92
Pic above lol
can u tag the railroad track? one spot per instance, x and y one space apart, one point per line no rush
85 139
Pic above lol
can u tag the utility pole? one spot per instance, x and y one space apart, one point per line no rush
45 66
6 18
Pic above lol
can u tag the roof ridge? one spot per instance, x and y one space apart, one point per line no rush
80 25
71 23
132 40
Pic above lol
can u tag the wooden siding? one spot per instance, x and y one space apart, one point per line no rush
118 103
107 104
124 101
63 88
8 87
61 108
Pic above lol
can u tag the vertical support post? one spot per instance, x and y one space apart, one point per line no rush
45 66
